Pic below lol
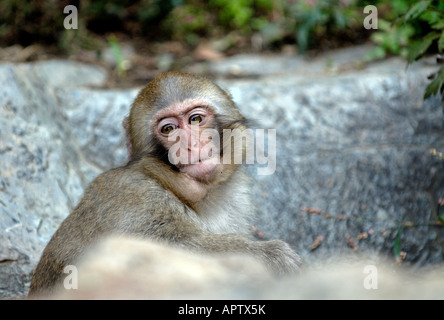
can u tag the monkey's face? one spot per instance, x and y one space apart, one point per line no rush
184 116
189 132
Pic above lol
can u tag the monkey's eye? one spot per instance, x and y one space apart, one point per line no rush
167 129
196 119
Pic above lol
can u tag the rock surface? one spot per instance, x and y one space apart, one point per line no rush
126 268
353 160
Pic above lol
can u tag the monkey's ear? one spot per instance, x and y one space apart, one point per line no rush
125 123
129 146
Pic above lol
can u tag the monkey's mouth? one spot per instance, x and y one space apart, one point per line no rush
201 169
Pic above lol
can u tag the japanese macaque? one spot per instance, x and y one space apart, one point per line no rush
177 188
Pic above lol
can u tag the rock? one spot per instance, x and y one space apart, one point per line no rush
125 268
351 146
352 157
95 120
254 66
42 171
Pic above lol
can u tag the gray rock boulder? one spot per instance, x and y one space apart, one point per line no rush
43 172
353 160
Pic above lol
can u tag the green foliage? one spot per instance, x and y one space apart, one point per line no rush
196 19
305 22
187 22
392 38
423 11
436 85
24 21
440 216
117 54
389 39
409 28
418 30
233 13
433 14
27 22
312 20
419 48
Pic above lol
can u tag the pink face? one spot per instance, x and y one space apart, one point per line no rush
183 129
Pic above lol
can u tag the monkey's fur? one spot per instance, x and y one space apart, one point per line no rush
150 198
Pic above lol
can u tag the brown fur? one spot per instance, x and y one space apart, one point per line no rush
150 198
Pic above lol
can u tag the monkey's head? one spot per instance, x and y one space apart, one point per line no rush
181 118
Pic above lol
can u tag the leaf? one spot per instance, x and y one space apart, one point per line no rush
117 54
417 10
340 18
436 85
397 243
438 26
432 88
441 42
384 25
421 46
440 216
302 38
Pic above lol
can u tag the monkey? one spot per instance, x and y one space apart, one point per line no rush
174 189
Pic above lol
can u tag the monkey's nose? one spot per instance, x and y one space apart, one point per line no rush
194 145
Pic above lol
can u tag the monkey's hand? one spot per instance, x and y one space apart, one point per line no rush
279 257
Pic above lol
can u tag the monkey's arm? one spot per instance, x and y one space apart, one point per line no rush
276 254
160 215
